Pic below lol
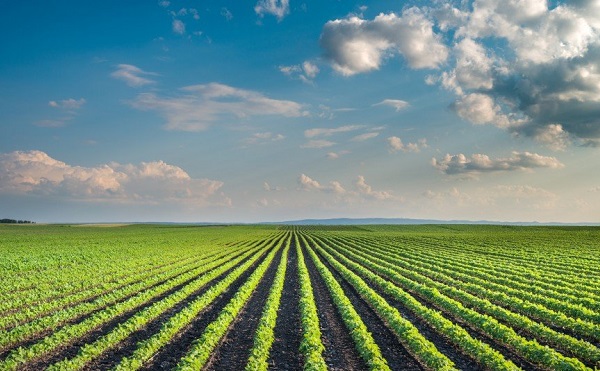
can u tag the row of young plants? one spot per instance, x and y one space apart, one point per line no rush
69 333
495 274
202 348
265 332
175 323
311 346
477 350
528 349
473 271
578 348
127 297
420 347
363 339
80 303
519 301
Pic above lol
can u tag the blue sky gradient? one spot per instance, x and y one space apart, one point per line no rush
274 110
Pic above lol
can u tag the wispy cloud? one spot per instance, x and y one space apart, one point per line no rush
262 138
199 106
325 132
397 104
363 137
305 72
132 75
68 104
178 26
479 163
67 109
362 190
318 143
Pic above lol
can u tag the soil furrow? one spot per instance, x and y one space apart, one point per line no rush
398 358
169 356
340 353
234 350
285 352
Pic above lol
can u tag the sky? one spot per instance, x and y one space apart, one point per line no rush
270 110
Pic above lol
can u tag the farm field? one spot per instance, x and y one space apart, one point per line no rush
431 297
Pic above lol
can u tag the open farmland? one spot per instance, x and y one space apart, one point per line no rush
282 297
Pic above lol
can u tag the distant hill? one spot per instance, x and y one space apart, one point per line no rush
366 221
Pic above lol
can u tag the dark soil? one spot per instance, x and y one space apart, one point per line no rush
71 350
126 348
340 352
169 356
398 358
234 350
285 352
444 345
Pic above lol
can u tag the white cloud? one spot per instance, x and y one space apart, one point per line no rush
132 75
354 45
306 183
479 163
363 137
267 187
367 190
178 26
264 137
164 3
397 104
277 8
68 104
553 136
525 66
325 132
336 155
396 145
305 72
318 143
36 173
199 106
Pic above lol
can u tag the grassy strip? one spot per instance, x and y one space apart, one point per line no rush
529 349
202 348
311 346
69 333
363 340
421 348
265 333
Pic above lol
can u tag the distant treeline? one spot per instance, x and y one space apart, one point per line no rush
14 221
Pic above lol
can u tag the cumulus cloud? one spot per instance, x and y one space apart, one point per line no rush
325 132
277 8
367 190
305 72
480 163
526 67
318 143
132 75
363 137
396 144
355 45
397 104
36 173
198 106
178 26
362 190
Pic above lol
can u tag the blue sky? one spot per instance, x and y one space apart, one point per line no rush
275 110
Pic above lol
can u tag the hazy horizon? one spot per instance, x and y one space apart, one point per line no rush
277 110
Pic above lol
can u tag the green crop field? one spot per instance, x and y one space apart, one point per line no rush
433 297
